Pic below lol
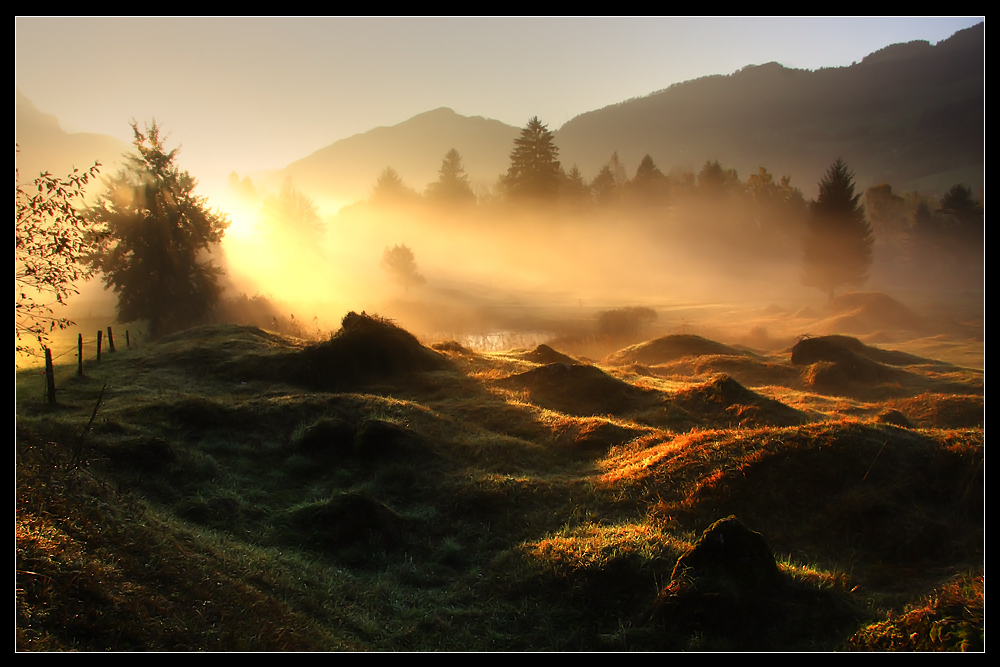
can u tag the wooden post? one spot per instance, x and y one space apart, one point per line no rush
128 343
79 355
111 341
50 378
99 334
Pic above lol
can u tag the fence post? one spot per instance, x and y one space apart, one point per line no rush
79 355
50 378
99 335
111 341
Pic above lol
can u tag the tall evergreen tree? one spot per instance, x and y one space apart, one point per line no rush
967 214
608 183
452 186
389 189
157 230
715 181
574 189
650 185
534 169
838 243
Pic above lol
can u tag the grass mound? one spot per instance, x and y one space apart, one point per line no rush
845 349
350 520
366 348
325 439
728 584
380 440
669 348
725 401
867 312
943 410
839 363
215 349
746 370
577 389
543 354
878 494
452 346
593 434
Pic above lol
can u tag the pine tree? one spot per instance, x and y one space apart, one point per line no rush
838 243
156 231
534 169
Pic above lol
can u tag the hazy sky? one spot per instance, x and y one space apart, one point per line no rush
258 93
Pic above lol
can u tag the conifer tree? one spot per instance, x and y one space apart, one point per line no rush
534 169
838 242
452 186
157 231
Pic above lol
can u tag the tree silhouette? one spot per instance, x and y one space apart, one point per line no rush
715 181
886 212
534 169
402 267
574 189
966 214
609 181
293 215
838 243
157 230
650 185
452 186
390 189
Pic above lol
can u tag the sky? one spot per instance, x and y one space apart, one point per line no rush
250 94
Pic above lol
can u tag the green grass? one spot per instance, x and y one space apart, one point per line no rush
230 496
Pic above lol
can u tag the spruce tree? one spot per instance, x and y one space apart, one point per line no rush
534 170
838 242
452 186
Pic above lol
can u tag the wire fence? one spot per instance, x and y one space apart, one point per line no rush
102 343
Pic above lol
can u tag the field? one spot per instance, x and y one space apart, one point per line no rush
230 488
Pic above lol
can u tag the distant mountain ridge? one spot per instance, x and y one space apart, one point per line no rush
414 148
909 114
45 146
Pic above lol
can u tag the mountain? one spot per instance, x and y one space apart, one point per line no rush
909 114
348 169
45 146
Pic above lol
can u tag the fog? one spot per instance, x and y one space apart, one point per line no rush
500 274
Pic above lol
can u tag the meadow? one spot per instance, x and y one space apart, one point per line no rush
231 488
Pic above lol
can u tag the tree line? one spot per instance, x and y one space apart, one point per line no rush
150 236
